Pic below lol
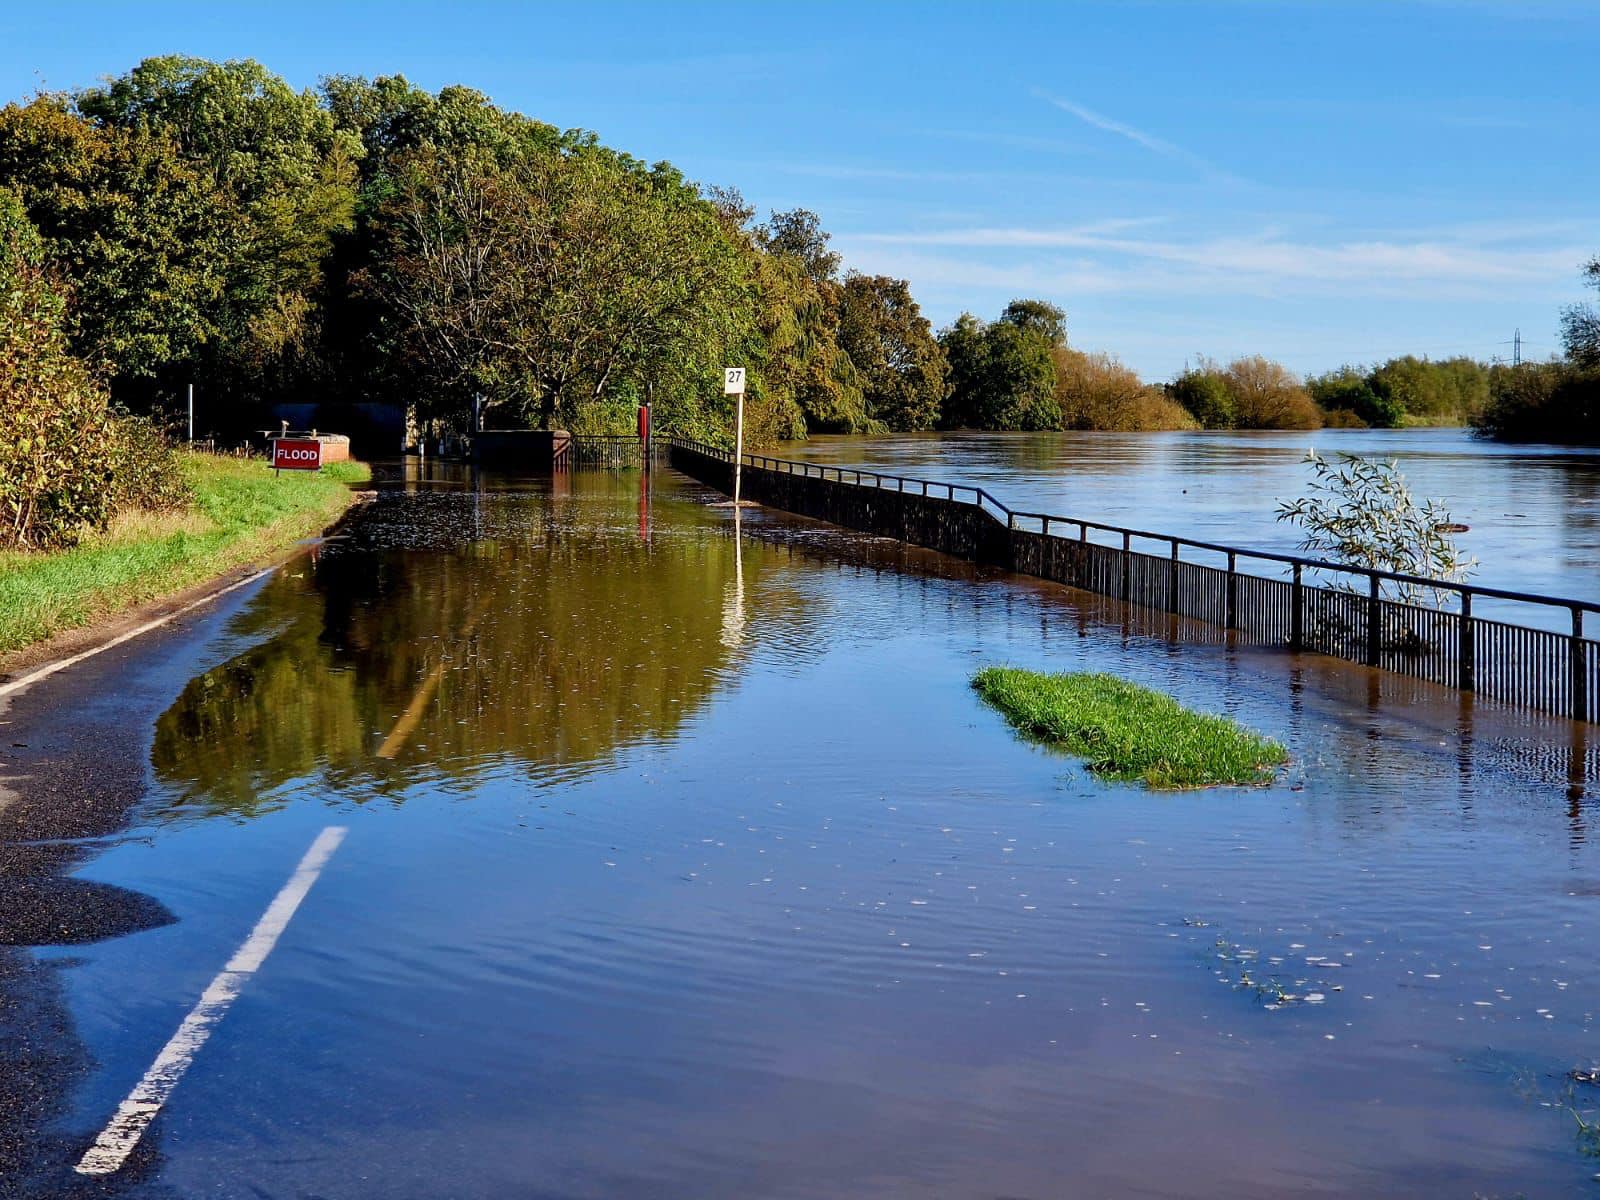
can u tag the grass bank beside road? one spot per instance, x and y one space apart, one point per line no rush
241 514
1130 733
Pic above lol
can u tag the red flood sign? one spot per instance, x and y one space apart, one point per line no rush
296 454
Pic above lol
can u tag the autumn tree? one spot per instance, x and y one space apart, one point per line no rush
1097 391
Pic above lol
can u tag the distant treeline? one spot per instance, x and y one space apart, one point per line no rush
369 241
1555 401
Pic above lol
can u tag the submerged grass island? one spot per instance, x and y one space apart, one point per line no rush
1130 733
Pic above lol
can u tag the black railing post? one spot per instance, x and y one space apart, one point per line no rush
1127 565
1233 591
1580 673
1466 649
1172 580
1297 608
1374 621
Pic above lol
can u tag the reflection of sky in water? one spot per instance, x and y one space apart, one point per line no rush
729 886
1534 511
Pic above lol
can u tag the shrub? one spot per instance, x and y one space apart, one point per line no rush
1095 391
1342 418
1348 391
1450 389
1267 395
1543 402
67 462
1205 395
1360 511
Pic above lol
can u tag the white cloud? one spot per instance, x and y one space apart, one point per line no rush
1148 140
1103 258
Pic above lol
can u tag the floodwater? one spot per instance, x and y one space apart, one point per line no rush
1533 511
682 862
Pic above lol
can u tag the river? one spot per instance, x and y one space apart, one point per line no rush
1533 511
682 862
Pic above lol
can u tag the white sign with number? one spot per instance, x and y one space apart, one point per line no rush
733 381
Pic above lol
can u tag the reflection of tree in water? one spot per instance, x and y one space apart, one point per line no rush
558 637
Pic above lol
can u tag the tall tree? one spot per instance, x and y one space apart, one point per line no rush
285 177
892 345
1040 316
1002 376
553 283
799 234
131 223
1580 323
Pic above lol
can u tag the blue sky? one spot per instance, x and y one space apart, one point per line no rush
1318 181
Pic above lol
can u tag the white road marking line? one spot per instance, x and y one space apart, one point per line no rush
133 1115
44 672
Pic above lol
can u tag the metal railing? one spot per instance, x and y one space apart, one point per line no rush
1352 618
606 450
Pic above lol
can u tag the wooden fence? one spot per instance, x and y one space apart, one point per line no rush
1287 601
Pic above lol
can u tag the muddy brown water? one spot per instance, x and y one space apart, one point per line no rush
682 862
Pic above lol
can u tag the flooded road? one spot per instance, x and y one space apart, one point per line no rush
686 864
1533 511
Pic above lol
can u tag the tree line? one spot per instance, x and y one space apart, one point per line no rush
1558 400
369 242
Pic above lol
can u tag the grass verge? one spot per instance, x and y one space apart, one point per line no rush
1130 733
241 513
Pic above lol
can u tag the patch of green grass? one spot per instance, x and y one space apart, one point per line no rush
241 514
1130 733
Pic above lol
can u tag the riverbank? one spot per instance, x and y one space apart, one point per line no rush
242 515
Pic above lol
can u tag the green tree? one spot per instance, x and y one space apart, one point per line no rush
1347 390
132 224
1205 394
1040 316
1001 376
892 345
560 283
274 153
1580 323
1543 402
798 233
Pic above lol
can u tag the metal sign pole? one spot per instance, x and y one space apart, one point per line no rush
733 385
191 412
738 449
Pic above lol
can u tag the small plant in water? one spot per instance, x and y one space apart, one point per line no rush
1360 511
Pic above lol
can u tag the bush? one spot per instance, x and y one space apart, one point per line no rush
67 462
1205 395
1361 512
1248 393
1450 389
1543 402
1348 399
1095 391
1267 395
